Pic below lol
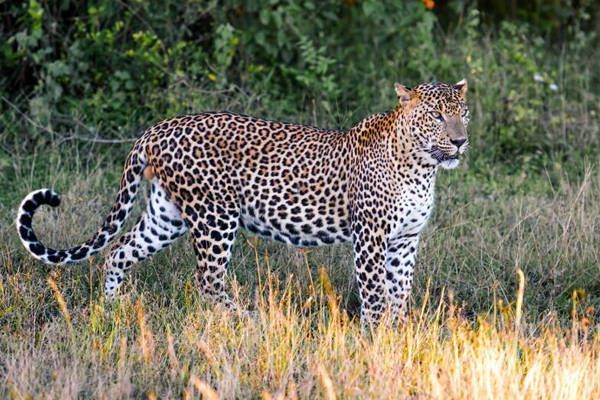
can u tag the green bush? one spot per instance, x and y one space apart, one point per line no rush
74 71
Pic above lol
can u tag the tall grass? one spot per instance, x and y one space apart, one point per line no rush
474 331
287 351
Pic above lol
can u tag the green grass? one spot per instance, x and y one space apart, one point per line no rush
485 226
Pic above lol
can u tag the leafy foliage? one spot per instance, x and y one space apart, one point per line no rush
102 68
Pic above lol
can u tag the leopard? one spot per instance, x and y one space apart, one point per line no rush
212 173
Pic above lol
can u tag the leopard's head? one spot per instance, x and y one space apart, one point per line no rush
437 115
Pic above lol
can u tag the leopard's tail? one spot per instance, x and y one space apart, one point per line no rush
113 223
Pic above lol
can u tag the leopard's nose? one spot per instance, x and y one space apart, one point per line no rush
458 142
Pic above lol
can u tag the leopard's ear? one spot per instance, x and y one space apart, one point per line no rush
404 94
462 87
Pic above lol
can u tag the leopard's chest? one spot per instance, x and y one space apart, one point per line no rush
412 209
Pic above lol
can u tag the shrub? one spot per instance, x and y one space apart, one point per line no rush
102 68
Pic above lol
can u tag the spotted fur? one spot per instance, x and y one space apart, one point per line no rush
212 173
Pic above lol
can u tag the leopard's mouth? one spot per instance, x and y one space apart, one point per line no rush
441 156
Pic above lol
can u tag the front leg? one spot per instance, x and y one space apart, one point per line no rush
399 266
369 261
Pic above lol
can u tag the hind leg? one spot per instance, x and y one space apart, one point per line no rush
213 233
160 225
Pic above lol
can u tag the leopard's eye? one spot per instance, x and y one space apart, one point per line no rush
465 113
438 116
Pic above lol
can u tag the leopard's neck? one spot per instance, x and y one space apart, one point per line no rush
388 137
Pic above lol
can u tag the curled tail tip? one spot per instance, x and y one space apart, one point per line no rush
28 206
37 198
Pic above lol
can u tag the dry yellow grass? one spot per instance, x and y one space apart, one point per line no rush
283 351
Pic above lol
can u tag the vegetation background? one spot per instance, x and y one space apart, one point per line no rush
79 80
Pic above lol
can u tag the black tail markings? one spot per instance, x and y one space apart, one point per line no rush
112 225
